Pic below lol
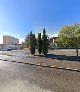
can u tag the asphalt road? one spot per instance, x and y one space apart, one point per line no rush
16 77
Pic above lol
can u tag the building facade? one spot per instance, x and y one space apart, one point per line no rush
53 40
8 40
52 43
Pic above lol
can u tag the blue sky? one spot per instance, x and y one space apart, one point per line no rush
19 17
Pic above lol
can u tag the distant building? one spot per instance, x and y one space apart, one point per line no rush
53 40
8 40
52 43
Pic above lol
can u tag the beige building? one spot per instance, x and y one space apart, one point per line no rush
8 40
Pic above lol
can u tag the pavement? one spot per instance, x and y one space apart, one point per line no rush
22 72
38 60
15 77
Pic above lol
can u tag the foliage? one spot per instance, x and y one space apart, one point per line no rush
69 37
44 43
24 44
32 43
39 43
27 40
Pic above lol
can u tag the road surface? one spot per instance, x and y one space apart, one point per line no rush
16 77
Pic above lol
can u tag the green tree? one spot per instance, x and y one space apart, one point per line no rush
32 43
39 43
44 43
69 37
27 40
24 45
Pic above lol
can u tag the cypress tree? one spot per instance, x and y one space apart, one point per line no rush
32 43
44 43
39 43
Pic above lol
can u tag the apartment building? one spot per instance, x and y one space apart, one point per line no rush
8 40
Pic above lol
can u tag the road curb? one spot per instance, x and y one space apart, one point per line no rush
25 63
5 60
12 61
45 65
60 67
52 66
9 55
18 62
49 66
38 64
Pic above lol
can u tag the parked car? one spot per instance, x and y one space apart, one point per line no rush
9 49
6 49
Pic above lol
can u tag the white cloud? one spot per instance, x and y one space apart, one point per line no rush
21 40
52 34
17 35
40 30
6 33
14 35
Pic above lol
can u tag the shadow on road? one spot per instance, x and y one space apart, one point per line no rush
63 57
60 57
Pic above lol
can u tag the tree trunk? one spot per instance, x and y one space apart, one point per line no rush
77 51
